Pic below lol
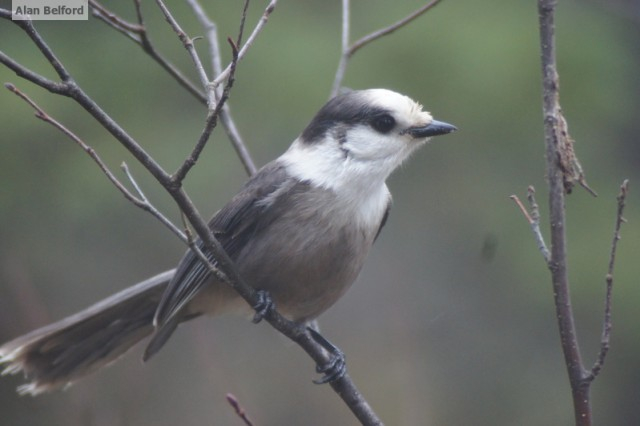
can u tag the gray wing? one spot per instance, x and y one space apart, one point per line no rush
233 225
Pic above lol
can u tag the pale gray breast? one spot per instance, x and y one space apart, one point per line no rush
308 254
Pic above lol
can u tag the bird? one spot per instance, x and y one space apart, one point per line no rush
299 230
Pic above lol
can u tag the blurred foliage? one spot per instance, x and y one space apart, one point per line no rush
450 323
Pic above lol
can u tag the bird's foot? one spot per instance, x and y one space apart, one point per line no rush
335 367
263 306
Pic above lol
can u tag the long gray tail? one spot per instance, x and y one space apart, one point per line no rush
62 352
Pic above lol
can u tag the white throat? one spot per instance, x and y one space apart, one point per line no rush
361 190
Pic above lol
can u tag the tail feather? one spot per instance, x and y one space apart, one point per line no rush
60 353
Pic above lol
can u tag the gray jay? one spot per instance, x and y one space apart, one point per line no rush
298 230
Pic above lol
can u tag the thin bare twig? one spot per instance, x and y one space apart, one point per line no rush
343 386
534 220
349 50
228 123
522 208
391 28
247 45
535 226
146 205
245 8
211 122
27 74
607 324
240 412
188 44
133 31
344 56
138 34
211 33
42 115
141 201
27 26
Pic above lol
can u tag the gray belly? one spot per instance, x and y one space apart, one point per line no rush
308 266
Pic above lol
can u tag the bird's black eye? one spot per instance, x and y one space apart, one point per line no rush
383 123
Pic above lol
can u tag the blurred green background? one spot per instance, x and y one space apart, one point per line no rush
450 323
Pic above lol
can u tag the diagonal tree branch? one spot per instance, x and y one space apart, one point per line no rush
349 50
228 123
211 122
138 34
250 40
141 38
534 221
188 44
299 333
240 412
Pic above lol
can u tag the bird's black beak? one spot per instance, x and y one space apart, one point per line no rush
434 128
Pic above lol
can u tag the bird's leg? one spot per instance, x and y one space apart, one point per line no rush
263 306
333 369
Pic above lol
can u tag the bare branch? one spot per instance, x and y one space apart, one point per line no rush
240 412
344 55
228 123
133 31
299 333
349 51
188 44
243 19
146 205
557 174
70 89
535 226
606 324
211 33
27 26
138 34
141 38
211 122
141 201
42 115
37 79
236 140
21 71
534 221
391 28
522 208
245 48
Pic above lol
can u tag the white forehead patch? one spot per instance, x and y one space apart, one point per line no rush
402 106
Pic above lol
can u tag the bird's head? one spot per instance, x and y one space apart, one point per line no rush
361 134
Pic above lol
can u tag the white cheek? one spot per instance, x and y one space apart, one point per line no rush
370 146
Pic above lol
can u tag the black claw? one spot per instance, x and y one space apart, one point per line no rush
333 369
264 305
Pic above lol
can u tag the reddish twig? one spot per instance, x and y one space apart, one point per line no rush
534 220
242 414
